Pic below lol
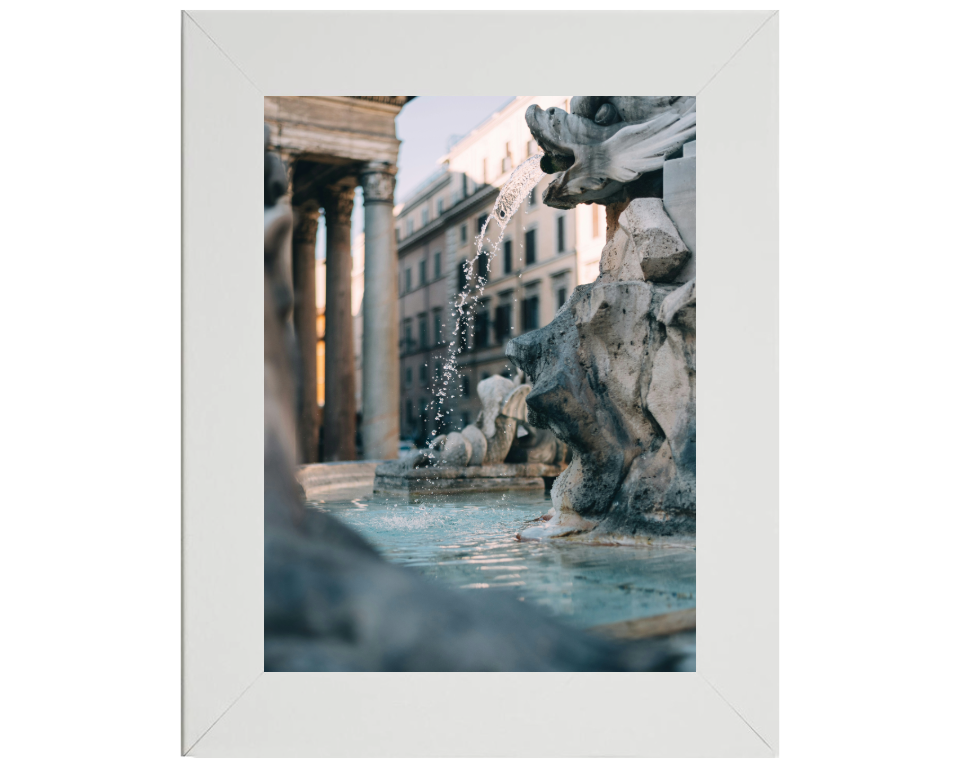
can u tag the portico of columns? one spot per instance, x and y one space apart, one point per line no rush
329 143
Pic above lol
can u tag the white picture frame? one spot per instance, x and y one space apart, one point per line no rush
729 706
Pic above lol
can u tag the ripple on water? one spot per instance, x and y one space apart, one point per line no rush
468 541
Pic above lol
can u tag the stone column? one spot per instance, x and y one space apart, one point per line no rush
340 387
305 325
381 354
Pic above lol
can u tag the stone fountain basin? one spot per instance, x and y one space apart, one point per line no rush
322 478
393 477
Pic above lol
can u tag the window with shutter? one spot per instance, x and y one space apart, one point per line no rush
502 322
481 331
530 313
530 247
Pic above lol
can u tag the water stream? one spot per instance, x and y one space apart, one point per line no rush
514 191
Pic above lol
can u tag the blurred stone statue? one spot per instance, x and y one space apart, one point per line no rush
500 434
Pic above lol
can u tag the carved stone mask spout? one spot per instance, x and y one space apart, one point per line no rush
607 142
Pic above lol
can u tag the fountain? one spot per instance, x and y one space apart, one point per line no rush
516 189
610 149
499 451
614 375
334 603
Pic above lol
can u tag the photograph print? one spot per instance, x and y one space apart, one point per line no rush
480 383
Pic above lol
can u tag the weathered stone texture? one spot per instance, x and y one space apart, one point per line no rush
614 377
680 202
646 246
610 148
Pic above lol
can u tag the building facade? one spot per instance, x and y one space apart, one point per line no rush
544 254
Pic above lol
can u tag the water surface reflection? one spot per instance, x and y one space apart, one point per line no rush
467 541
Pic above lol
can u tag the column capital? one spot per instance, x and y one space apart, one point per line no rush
378 181
306 219
337 203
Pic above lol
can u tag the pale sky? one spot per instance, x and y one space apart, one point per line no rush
426 126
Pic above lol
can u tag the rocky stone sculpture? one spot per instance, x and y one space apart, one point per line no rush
614 377
608 146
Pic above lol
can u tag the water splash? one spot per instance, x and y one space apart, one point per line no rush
514 191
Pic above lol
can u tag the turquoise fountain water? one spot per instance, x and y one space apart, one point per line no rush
468 541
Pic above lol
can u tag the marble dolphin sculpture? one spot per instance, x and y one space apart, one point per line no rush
606 142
